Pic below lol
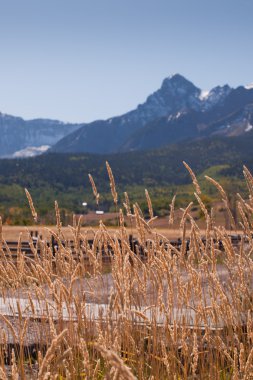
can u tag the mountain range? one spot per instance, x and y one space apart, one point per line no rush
176 112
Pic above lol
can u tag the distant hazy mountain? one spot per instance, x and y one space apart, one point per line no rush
21 138
177 111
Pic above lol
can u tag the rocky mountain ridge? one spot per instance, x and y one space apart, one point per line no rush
177 111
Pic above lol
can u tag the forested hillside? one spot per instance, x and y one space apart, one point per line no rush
65 176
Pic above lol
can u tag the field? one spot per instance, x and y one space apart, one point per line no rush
90 222
93 305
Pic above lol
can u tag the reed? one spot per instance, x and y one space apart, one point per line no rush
112 310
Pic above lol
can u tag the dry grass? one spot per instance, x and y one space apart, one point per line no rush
161 312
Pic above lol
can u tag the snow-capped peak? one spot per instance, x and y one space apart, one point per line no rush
214 96
204 94
249 86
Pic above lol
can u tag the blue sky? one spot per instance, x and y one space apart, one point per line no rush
81 60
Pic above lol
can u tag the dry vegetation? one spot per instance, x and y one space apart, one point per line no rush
157 312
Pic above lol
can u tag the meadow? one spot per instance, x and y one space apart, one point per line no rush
93 305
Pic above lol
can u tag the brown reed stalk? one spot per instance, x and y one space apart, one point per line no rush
224 199
112 183
202 206
50 354
14 370
150 207
193 177
185 214
58 217
172 211
34 213
3 375
1 234
94 188
248 371
249 181
195 354
127 204
242 358
116 362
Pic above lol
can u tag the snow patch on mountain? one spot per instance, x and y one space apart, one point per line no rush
216 96
248 128
31 151
204 94
249 86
